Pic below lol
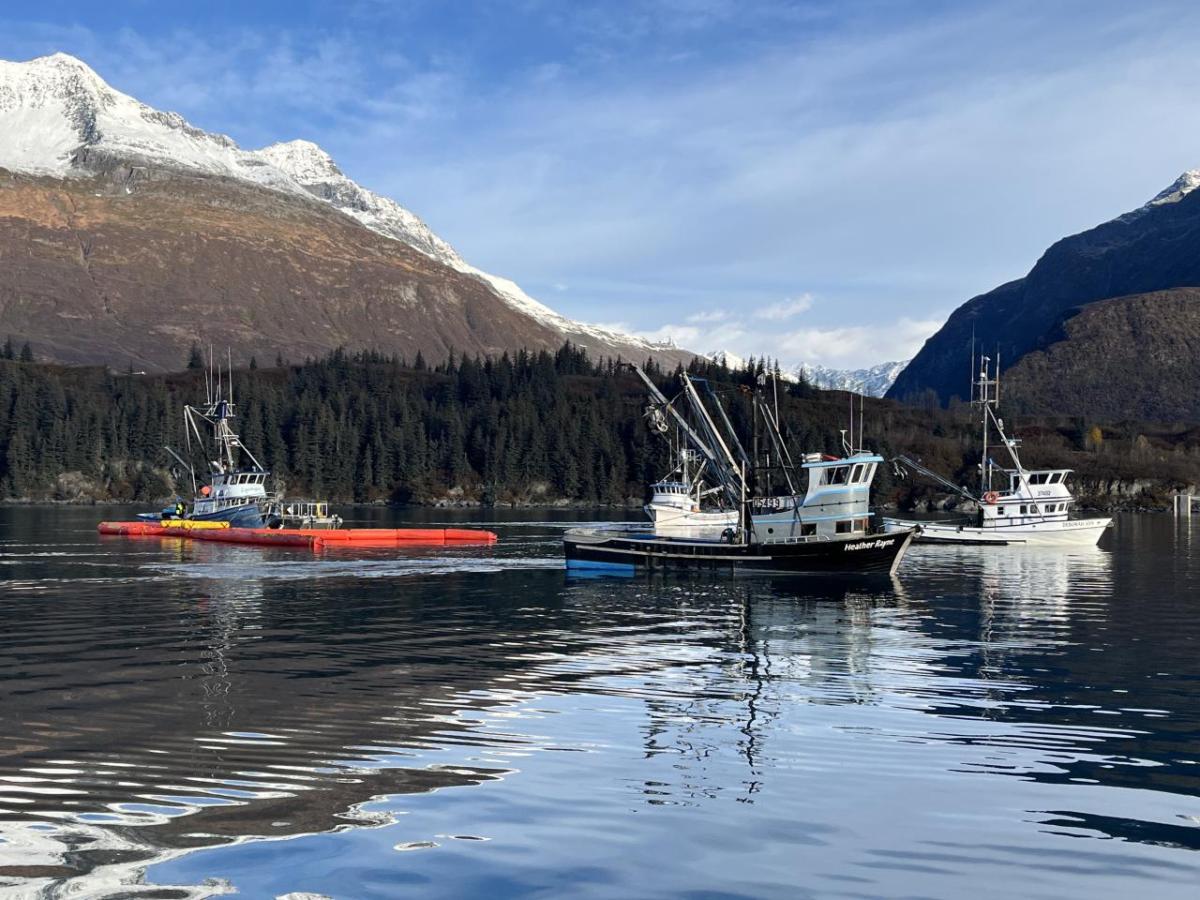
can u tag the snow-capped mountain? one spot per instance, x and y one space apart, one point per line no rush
55 111
1178 189
873 381
1122 287
727 359
59 118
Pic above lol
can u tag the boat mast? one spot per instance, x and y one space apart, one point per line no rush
984 400
988 399
782 456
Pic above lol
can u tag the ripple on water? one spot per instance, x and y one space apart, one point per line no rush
984 720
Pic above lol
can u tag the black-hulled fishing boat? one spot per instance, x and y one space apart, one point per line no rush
625 552
829 529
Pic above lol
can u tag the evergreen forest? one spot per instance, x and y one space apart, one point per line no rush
526 428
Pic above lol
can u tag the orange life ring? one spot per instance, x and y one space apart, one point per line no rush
990 498
205 491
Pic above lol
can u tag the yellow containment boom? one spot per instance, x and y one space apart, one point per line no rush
192 523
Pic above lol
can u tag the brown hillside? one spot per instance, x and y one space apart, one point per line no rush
1135 357
98 270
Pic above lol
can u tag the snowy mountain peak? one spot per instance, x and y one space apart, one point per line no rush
58 117
303 160
1180 188
62 68
727 359
54 110
871 382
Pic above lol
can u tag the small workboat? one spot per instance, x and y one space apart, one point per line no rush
235 489
1015 505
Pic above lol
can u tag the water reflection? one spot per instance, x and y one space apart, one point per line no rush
844 737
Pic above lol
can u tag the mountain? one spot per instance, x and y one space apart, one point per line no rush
1129 357
1148 253
872 382
127 234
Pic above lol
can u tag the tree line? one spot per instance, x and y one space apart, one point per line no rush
521 428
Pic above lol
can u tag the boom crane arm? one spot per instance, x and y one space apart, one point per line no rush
721 468
906 462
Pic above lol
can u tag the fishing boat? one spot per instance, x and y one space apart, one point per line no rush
1015 505
627 552
684 501
234 490
829 529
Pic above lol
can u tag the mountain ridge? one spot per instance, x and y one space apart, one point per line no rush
871 381
1151 249
59 119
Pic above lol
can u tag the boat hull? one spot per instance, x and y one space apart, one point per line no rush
673 517
629 552
248 515
1069 533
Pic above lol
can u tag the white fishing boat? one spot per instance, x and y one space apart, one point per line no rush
1015 505
685 501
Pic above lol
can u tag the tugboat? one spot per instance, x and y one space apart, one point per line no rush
827 530
1016 505
236 490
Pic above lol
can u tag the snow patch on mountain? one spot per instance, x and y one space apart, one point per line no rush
873 381
1178 189
727 359
315 170
55 111
54 108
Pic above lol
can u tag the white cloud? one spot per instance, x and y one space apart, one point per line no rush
785 309
843 347
709 315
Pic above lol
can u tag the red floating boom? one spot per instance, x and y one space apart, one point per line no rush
311 538
263 536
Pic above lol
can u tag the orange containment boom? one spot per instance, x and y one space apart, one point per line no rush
311 538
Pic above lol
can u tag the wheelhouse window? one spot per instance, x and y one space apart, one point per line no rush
807 529
1058 477
845 526
856 475
837 475
999 510
1024 510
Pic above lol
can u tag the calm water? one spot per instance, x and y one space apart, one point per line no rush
187 720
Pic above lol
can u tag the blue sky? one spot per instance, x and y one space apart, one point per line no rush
819 181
